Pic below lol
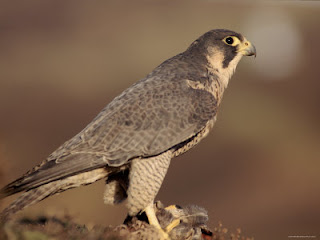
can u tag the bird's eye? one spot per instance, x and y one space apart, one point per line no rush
229 40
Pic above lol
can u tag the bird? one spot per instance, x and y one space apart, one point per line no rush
131 142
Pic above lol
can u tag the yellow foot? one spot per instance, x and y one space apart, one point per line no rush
171 207
153 220
175 222
172 225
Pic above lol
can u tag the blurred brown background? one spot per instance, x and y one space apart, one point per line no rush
61 62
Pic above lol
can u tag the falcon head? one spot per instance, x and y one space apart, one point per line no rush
222 50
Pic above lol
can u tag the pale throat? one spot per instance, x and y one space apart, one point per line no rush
215 60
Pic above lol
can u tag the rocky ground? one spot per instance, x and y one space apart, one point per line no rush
181 223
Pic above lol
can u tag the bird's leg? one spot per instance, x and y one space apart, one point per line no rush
175 222
153 220
172 225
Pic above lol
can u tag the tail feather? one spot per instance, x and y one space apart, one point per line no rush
28 198
35 195
12 188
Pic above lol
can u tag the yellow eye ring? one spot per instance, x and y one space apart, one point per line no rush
231 40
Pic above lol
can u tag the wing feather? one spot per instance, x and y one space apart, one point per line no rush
147 119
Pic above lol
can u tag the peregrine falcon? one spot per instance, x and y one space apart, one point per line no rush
132 140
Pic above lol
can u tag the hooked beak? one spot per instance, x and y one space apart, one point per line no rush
247 48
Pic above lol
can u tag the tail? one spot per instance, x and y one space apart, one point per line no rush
37 194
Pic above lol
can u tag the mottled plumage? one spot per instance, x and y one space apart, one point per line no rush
132 140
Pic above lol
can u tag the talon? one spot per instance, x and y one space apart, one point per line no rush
153 220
